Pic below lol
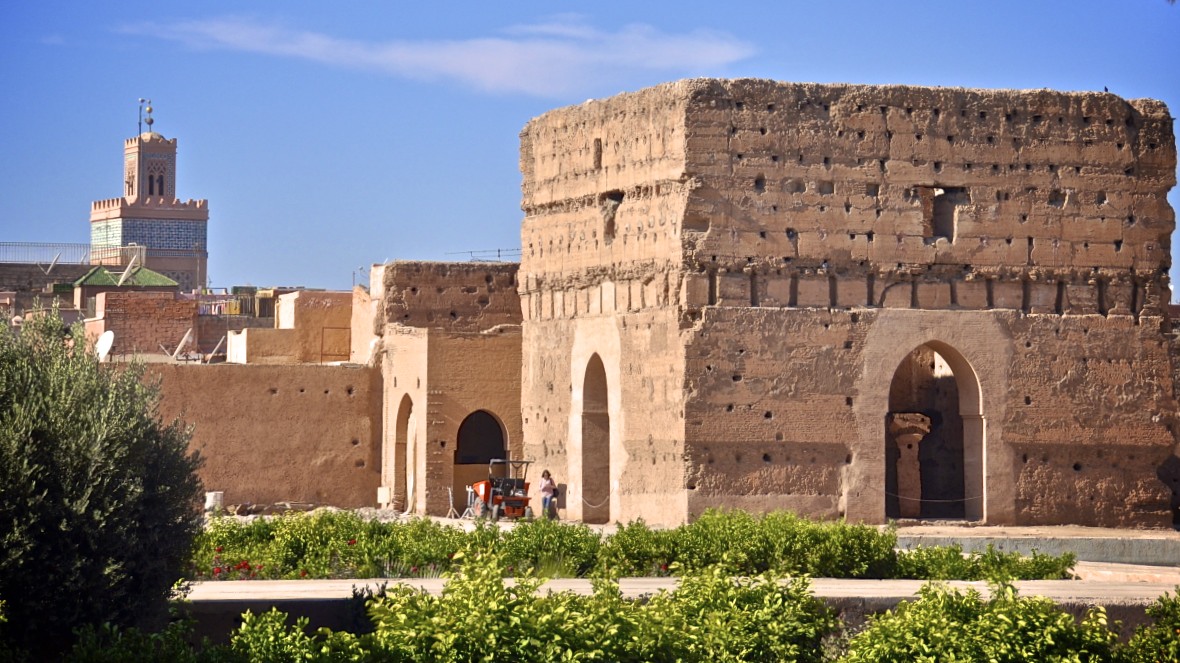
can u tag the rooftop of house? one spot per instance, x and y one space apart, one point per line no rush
139 277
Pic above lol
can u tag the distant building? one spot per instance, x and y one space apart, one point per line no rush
100 279
149 224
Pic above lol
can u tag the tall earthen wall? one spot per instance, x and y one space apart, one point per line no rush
821 234
601 272
280 433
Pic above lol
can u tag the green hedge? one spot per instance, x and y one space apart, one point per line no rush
340 544
711 616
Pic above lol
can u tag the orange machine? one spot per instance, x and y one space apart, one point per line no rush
505 494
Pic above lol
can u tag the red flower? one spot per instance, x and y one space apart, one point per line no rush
303 573
664 567
413 569
216 570
352 542
218 549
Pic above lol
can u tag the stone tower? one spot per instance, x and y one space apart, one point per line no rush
149 221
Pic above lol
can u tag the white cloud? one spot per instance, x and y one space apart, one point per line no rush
555 57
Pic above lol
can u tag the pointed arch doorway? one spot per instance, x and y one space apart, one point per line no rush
595 433
403 444
934 437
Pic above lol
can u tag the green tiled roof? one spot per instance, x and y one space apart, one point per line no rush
140 276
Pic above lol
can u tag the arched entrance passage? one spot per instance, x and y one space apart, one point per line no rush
480 439
596 496
403 472
934 437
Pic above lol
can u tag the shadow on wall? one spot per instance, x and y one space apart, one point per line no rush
1169 473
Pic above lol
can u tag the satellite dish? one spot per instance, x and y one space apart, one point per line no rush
103 347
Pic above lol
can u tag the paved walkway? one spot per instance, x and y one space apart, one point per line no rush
1099 582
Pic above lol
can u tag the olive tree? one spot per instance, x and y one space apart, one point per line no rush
98 497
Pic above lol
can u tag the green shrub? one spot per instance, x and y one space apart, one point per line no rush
637 550
732 539
710 617
100 498
950 625
1161 640
341 545
111 644
950 563
270 638
549 548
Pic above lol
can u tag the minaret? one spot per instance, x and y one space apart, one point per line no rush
149 224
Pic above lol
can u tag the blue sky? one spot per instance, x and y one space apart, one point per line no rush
331 135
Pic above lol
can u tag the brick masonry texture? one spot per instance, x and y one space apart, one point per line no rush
751 262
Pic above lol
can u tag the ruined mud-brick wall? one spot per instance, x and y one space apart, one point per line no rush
280 433
821 234
1046 211
142 321
604 193
451 341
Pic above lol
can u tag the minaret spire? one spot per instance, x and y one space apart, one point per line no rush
142 103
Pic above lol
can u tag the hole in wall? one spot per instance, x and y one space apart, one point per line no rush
1028 400
765 458
848 401
360 462
1077 467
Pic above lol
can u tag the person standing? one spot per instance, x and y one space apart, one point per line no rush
548 495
